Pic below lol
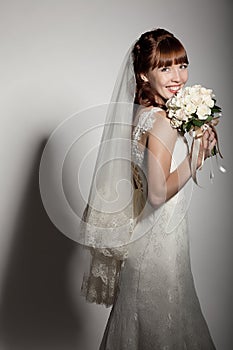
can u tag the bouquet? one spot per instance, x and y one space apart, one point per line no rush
192 110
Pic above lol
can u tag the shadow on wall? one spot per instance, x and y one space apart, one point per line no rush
37 311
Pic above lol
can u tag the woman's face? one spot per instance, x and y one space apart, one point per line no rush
166 81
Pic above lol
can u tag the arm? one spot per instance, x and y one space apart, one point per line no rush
163 184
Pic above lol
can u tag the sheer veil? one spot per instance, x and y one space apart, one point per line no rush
108 219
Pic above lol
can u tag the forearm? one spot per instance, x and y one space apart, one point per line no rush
171 185
178 178
163 184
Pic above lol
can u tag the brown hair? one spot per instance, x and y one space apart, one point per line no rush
156 48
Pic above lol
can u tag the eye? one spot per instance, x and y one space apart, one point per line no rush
165 69
184 66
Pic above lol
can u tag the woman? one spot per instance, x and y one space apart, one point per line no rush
156 306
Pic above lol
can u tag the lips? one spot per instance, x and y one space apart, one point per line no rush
174 88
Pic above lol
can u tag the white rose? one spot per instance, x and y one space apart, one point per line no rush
181 92
181 115
175 123
190 108
203 111
178 102
171 103
205 91
182 103
187 90
196 87
196 98
187 99
195 90
208 101
170 113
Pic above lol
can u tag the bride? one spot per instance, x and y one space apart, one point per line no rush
147 277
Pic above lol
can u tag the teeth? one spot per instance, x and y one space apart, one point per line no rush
174 88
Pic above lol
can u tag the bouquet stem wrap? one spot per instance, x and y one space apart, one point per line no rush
198 148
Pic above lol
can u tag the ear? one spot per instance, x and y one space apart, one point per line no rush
144 77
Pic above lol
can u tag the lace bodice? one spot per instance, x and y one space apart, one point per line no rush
145 123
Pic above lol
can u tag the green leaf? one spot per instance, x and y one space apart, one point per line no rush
188 125
216 109
198 122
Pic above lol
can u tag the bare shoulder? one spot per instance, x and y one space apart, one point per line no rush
162 114
162 128
148 111
162 118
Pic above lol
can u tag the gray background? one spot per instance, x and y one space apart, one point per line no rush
59 57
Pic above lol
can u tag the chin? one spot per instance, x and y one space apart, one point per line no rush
169 96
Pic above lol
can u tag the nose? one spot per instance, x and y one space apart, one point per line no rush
176 75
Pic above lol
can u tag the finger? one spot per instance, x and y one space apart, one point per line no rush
206 135
207 147
205 142
212 136
212 144
208 152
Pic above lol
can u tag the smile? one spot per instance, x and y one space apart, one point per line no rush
173 89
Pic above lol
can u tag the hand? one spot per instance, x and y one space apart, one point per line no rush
207 144
209 141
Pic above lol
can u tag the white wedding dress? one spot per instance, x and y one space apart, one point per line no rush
157 307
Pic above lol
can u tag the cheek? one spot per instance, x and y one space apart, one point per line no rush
185 76
154 84
160 82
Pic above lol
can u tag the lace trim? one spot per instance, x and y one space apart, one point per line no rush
145 123
101 285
